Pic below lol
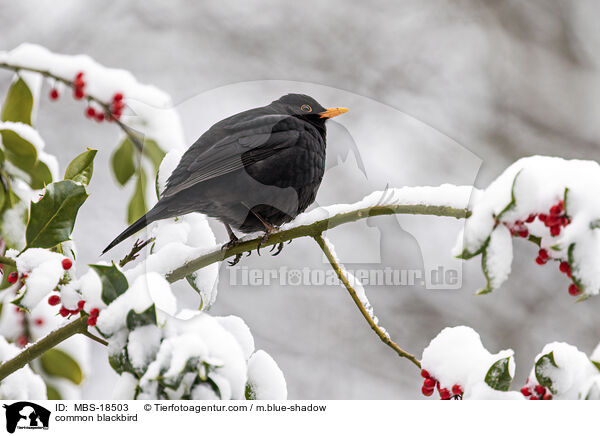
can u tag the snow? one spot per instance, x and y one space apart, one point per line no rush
153 111
538 183
457 356
146 290
265 379
125 387
498 258
142 346
44 269
23 384
572 377
238 328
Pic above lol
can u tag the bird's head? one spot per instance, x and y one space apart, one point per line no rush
306 107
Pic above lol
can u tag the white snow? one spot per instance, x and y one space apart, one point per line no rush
572 376
23 384
499 256
154 114
44 269
539 183
238 328
457 356
265 379
146 290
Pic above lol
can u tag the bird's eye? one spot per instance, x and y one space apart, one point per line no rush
305 108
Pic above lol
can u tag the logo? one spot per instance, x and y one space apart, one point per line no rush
26 415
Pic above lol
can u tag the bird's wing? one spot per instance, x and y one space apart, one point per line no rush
225 150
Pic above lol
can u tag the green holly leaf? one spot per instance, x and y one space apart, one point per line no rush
18 150
52 393
596 364
57 363
498 376
137 205
543 363
153 152
122 161
113 281
40 175
52 219
19 103
147 317
81 168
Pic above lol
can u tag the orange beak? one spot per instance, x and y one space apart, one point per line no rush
333 112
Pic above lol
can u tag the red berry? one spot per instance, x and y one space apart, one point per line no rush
524 233
555 230
543 217
565 221
12 277
90 112
100 117
53 300
429 383
445 394
426 391
533 397
38 321
556 209
540 261
425 374
94 313
67 263
552 221
118 96
54 94
525 391
22 341
118 106
565 268
79 75
543 254
457 390
574 290
530 218
80 304
78 93
92 321
64 311
547 396
540 390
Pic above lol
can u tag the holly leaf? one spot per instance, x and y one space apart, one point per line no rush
81 168
113 281
57 363
135 319
122 162
52 219
596 364
153 152
541 366
18 103
498 376
19 151
40 175
137 205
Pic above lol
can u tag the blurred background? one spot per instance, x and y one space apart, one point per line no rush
439 91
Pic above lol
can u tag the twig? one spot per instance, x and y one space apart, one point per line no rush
40 347
313 229
94 338
135 250
131 134
363 310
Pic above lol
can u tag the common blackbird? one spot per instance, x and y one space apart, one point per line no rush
252 171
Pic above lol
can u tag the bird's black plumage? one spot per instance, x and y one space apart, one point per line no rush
252 171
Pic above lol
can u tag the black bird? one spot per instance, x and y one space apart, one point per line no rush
253 171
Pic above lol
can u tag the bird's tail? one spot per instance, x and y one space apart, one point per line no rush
155 214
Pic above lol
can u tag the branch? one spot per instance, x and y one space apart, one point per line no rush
313 229
363 310
40 347
132 135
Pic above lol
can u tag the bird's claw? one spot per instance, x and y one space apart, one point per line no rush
235 260
228 246
279 248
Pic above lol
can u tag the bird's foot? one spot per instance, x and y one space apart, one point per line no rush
279 248
228 246
268 230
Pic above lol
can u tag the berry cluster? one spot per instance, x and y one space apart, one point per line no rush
554 220
445 394
115 108
536 392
